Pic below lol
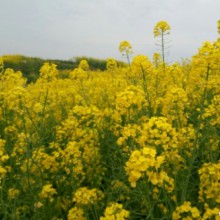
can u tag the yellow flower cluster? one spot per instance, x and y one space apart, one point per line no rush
141 65
175 103
208 56
1 65
142 162
144 136
186 138
159 133
85 196
81 158
11 79
111 64
72 161
209 188
13 193
84 65
186 212
3 155
115 211
44 162
130 101
212 111
156 59
160 28
48 192
211 213
78 73
48 72
129 134
161 179
76 213
125 47
3 158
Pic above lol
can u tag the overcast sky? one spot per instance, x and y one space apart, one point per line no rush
62 29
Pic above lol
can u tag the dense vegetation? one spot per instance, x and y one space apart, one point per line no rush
134 142
29 66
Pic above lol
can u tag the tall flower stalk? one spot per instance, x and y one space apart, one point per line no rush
161 30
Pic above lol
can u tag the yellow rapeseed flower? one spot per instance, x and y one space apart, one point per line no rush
13 193
186 211
115 211
85 196
76 213
48 192
125 47
160 28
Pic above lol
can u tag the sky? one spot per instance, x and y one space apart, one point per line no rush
63 29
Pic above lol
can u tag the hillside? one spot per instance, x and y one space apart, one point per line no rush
29 66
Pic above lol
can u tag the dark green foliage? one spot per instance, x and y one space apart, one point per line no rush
29 66
96 64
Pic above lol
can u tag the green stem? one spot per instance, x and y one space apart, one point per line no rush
145 87
163 52
195 152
